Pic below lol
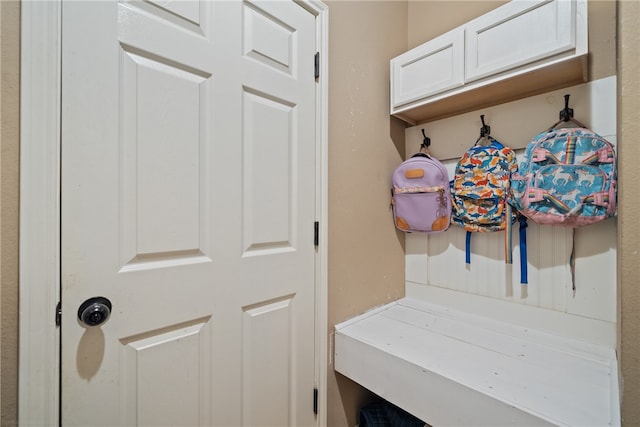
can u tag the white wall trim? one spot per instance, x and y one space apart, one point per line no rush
321 11
39 212
322 180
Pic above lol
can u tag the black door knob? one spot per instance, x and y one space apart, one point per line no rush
94 311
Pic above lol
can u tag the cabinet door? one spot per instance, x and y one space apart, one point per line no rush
430 68
519 33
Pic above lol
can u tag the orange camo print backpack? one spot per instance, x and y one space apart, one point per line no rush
480 189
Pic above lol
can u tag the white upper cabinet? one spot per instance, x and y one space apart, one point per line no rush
519 49
433 67
518 33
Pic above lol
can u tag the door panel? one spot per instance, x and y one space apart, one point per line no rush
188 200
268 345
268 40
165 132
151 394
268 185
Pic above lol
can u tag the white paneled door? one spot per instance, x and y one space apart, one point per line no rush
188 202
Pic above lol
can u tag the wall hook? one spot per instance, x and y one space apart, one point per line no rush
484 130
426 142
567 113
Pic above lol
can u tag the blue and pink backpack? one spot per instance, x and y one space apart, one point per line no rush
567 177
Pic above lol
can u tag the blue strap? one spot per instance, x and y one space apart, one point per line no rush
523 250
572 259
468 248
495 143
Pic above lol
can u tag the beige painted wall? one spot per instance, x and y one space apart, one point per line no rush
9 174
366 255
629 206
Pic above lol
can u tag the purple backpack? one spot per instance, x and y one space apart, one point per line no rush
420 195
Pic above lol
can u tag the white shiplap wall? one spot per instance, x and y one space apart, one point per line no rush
437 261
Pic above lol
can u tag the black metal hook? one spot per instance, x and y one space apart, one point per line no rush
567 113
426 142
484 130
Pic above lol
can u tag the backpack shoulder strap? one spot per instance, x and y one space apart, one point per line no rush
524 279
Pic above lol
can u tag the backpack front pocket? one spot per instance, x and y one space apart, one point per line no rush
568 190
421 210
479 214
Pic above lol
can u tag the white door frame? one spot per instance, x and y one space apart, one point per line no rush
38 397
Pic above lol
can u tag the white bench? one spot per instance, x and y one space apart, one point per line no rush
451 367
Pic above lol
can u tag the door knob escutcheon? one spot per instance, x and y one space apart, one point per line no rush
94 311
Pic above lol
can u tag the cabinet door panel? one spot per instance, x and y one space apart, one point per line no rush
518 33
432 67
